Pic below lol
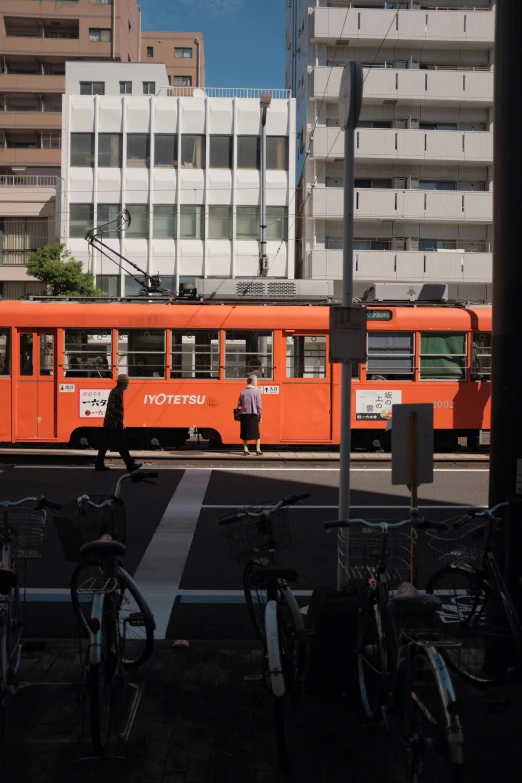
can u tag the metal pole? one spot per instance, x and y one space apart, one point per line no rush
262 235
506 381
346 388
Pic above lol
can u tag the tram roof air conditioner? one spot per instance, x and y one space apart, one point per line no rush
257 289
406 292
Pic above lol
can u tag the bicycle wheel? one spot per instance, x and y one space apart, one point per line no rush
433 739
256 600
99 678
370 659
471 614
136 623
278 666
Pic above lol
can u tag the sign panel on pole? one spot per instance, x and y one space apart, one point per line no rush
412 444
348 334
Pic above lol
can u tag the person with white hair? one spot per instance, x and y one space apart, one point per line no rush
113 429
251 415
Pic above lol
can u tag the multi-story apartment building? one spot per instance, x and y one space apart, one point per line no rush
182 53
187 169
423 148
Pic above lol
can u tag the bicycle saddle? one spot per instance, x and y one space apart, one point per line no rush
279 571
8 579
103 549
408 600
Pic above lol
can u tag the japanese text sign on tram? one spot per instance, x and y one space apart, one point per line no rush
348 334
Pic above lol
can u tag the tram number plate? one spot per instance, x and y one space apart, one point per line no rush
268 389
443 404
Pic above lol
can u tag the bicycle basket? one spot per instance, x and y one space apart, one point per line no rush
464 547
27 529
364 549
254 537
74 533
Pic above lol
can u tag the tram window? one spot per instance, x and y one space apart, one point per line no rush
306 357
46 354
141 353
88 353
481 357
391 356
5 352
195 354
443 356
248 352
26 354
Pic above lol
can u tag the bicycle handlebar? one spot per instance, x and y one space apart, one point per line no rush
40 503
289 500
418 524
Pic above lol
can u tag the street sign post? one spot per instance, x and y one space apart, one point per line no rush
412 455
350 102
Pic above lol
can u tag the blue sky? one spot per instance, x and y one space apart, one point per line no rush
244 39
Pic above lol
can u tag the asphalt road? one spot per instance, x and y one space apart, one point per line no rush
175 548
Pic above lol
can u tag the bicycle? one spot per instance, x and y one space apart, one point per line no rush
402 675
254 536
475 603
21 539
109 606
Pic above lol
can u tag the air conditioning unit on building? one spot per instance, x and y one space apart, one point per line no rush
413 182
415 4
413 123
398 123
398 243
412 243
473 247
399 183
401 63
414 64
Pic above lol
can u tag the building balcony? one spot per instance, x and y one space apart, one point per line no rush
12 120
442 206
407 27
30 156
403 85
31 82
401 144
387 265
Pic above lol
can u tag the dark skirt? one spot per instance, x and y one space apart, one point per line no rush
249 426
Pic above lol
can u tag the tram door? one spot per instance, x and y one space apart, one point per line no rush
35 390
306 402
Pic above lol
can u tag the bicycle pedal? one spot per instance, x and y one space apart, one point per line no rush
137 620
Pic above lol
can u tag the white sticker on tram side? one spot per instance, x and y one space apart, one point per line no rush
268 389
93 403
67 387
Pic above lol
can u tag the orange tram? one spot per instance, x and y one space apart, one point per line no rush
188 362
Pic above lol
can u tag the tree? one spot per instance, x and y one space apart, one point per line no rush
55 266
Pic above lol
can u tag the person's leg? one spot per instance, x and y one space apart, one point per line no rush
104 447
258 446
245 446
124 451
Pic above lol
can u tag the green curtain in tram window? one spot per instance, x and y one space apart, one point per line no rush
443 356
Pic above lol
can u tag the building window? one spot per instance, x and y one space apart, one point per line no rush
100 2
150 51
138 150
81 219
125 88
248 223
141 353
5 352
139 225
92 88
360 244
382 184
51 140
109 285
391 356
219 222
481 357
149 88
166 150
443 356
19 237
164 221
192 221
430 245
430 185
248 352
192 152
108 213
248 152
183 51
277 153
88 353
195 354
82 150
306 357
97 34
221 152
110 150
182 81
276 223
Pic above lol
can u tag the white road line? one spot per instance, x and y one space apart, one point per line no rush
163 563
302 507
296 469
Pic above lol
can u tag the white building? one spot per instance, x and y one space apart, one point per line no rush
424 151
185 164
